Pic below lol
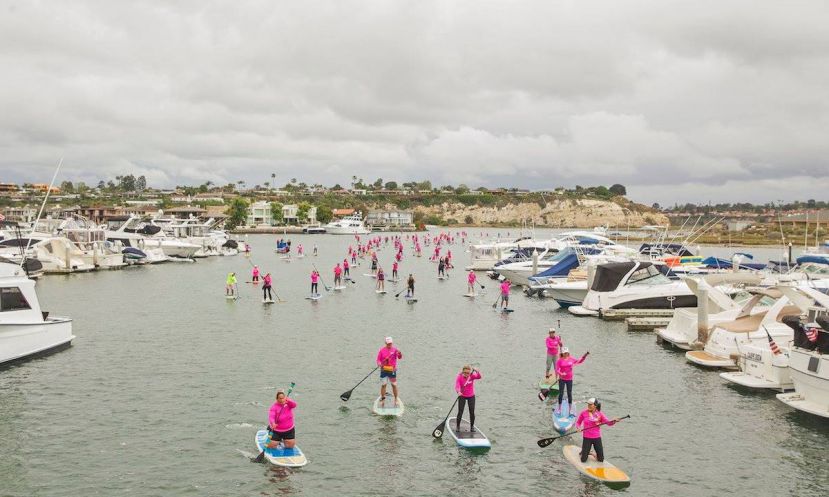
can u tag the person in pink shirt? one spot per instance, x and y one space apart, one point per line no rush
564 370
589 419
465 387
266 287
281 422
470 280
255 274
381 279
346 267
338 275
394 266
553 343
387 358
315 278
505 293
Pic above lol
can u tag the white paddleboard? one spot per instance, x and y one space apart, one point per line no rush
267 301
604 472
470 295
563 419
441 277
393 280
410 300
291 458
342 287
379 291
388 408
230 297
507 310
465 438
316 296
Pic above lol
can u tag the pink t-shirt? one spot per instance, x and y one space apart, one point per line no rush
504 288
281 416
553 344
466 386
388 356
345 264
314 277
267 279
256 271
337 270
564 367
589 421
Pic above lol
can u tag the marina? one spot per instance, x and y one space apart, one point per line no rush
204 377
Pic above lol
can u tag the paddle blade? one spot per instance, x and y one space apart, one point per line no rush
259 458
346 396
438 433
546 441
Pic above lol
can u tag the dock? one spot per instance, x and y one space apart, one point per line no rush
646 323
623 314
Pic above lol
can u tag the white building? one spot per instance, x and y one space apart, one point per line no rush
311 216
289 214
390 218
259 213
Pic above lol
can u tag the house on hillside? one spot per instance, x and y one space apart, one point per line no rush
259 213
393 218
290 213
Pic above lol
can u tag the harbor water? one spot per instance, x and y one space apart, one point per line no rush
167 383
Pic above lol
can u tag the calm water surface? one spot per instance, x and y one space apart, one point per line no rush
167 383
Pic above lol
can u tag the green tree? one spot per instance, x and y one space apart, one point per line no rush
391 185
141 183
424 185
302 211
378 183
81 188
276 212
68 187
462 189
324 214
618 189
237 213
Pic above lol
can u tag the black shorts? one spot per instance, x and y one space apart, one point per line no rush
278 436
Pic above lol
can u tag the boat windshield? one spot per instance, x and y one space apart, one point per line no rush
647 276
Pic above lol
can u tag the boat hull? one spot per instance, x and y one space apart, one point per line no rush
21 340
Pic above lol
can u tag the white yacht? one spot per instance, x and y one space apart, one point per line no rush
483 256
349 225
25 330
56 254
126 232
633 285
809 361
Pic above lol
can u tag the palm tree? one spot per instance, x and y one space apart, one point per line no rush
273 178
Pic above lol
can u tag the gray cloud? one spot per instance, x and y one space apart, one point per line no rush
678 101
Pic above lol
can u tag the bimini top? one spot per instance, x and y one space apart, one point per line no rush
610 275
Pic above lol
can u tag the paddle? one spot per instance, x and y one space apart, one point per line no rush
547 441
438 432
495 304
347 395
327 289
261 456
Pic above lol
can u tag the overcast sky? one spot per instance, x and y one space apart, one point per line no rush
677 100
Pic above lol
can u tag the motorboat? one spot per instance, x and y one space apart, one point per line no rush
57 254
633 285
137 248
154 236
26 330
725 340
485 255
809 360
348 225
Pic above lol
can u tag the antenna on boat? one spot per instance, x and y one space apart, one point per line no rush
42 206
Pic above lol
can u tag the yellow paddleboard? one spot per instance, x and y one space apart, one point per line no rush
601 471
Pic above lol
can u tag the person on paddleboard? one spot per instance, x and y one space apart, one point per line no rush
316 252
465 387
381 279
441 268
230 284
470 280
564 370
346 267
255 274
315 278
338 275
588 419
373 263
394 270
266 287
387 358
505 293
410 286
281 422
553 343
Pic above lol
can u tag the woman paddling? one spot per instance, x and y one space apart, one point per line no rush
553 343
281 422
315 277
592 436
470 280
230 284
338 279
381 279
255 274
410 286
564 370
266 287
465 387
505 294
387 360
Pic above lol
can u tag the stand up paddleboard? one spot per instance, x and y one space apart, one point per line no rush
379 291
441 277
592 468
291 458
342 287
370 275
470 295
315 296
507 310
388 408
410 300
550 383
393 280
563 419
466 438
230 297
266 301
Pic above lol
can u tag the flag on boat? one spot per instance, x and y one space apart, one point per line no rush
772 345
811 334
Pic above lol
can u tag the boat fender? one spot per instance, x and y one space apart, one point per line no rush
697 345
